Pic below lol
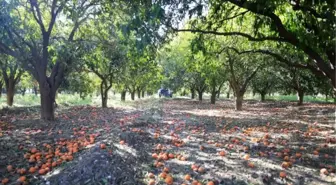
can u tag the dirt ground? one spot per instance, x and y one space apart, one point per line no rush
164 141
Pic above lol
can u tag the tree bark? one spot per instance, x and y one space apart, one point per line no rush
200 95
192 93
139 93
300 95
213 95
1 84
23 92
104 98
239 102
123 95
142 94
104 88
228 93
262 95
132 95
35 90
47 101
10 94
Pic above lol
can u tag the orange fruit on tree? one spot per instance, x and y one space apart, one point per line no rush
22 179
169 179
5 181
283 174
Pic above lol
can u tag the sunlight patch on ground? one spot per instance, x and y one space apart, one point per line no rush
123 149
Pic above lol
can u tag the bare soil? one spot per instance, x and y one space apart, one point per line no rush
256 142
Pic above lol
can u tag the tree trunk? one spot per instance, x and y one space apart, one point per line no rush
142 94
10 96
228 93
47 102
218 94
139 94
239 101
123 95
262 95
132 95
200 95
213 95
23 91
104 98
104 93
192 93
0 90
10 91
300 97
35 90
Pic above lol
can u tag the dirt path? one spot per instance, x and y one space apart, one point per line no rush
181 137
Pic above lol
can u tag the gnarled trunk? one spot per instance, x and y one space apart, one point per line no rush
300 95
123 95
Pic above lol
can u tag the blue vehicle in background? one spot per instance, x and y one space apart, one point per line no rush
165 92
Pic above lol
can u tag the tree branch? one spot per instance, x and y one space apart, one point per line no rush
249 37
282 59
